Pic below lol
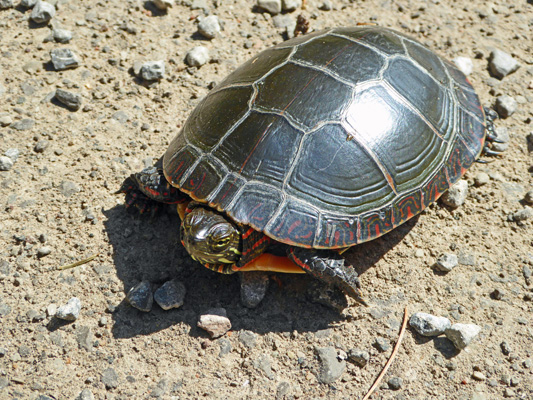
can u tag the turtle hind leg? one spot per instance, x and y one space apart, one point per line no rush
491 138
330 267
136 201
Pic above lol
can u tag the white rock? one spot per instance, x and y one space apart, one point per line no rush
215 322
69 311
446 262
456 195
209 26
271 6
462 334
465 64
197 56
429 325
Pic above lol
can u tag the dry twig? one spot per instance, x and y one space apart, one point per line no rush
78 263
391 358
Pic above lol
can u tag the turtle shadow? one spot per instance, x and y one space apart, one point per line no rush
148 249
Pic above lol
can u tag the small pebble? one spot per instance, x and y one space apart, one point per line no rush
41 146
6 120
64 59
481 178
528 198
209 26
254 286
429 325
506 349
13 153
62 35
197 56
43 251
28 3
395 383
508 392
140 296
505 106
456 195
465 64
381 344
69 311
248 339
5 4
479 376
497 294
271 6
330 367
290 5
163 4
153 70
326 6
502 64
51 310
446 262
109 378
71 100
5 163
170 295
524 214
462 334
358 357
85 394
42 12
215 322
23 124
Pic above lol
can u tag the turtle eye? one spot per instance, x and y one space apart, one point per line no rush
219 240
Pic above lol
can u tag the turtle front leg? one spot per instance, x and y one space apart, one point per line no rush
145 189
330 267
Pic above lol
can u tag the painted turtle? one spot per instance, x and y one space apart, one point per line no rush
315 145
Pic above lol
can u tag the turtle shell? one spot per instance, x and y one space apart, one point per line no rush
330 139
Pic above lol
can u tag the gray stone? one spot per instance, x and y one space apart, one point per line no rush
215 322
290 5
197 56
163 4
225 347
140 296
85 394
170 295
505 106
523 214
62 35
271 6
502 64
68 188
13 153
84 336
282 390
23 124
248 339
381 344
71 100
41 146
28 3
160 389
153 70
456 195
6 163
508 392
121 116
264 364
209 26
5 4
429 325
446 262
32 67
64 59
109 378
462 335
42 12
358 357
254 286
395 383
465 64
330 367
285 21
506 349
69 311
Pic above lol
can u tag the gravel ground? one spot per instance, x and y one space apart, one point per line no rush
65 152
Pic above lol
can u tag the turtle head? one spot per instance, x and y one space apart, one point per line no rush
210 238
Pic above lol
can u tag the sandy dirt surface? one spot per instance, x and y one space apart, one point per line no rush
58 207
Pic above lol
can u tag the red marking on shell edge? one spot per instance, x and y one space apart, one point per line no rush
337 237
299 263
247 233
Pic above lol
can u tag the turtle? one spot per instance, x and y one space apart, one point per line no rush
313 146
